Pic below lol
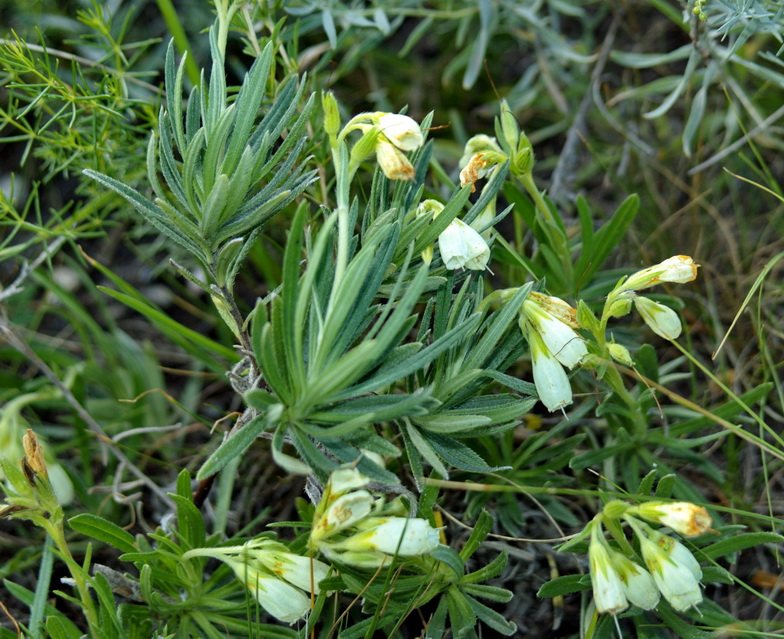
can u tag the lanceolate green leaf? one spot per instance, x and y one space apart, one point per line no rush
179 333
233 446
103 530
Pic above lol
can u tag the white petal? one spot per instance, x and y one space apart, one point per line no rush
401 130
638 585
393 163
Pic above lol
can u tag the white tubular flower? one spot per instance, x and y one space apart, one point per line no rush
403 536
550 379
462 247
393 163
682 517
677 269
638 585
674 569
379 539
608 592
401 130
562 341
661 319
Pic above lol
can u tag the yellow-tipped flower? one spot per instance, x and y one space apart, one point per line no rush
682 517
555 321
677 269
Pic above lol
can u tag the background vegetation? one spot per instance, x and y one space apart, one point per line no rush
116 349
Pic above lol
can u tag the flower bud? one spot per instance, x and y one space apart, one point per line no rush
661 319
620 354
366 145
523 160
331 113
619 307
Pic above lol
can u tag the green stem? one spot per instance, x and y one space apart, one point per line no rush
55 531
550 226
340 159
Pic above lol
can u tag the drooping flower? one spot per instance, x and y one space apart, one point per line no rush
550 378
552 322
638 585
462 247
547 323
608 593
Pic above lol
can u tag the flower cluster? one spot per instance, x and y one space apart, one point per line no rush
388 135
277 578
672 571
660 318
549 323
353 526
